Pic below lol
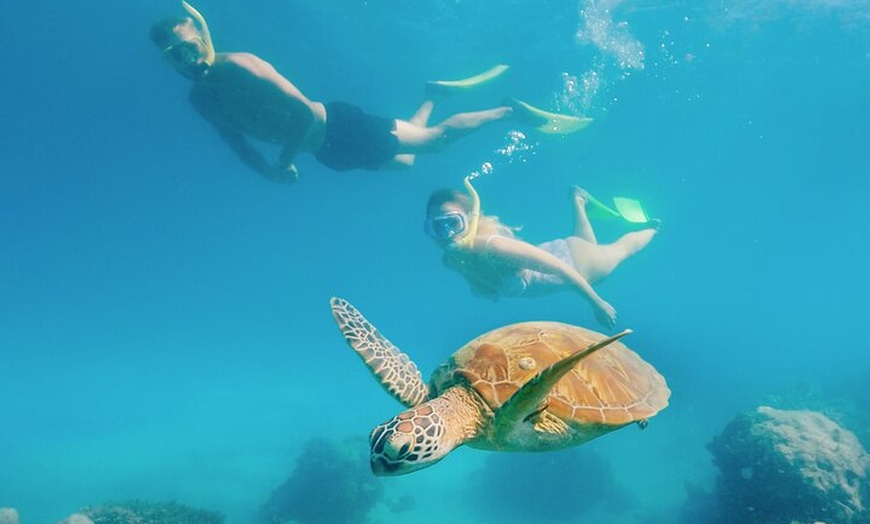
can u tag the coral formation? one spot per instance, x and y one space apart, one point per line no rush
144 512
845 400
785 466
8 516
77 518
331 484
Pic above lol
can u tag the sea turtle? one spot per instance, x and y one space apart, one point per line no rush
533 386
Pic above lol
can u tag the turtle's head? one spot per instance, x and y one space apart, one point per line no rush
410 441
424 434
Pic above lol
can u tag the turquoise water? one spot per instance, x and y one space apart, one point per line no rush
164 321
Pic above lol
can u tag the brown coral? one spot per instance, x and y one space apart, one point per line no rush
144 512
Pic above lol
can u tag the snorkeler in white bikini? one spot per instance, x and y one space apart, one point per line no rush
498 264
244 97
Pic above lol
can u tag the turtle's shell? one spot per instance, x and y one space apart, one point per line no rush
608 389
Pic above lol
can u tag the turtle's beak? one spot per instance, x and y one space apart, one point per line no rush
390 449
382 468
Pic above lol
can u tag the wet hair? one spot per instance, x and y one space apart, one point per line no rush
163 31
444 196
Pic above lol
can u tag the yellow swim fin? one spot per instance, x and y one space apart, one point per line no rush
452 87
545 121
203 28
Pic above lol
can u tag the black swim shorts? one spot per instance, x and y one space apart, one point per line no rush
355 139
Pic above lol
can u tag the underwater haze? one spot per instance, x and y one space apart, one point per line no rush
165 331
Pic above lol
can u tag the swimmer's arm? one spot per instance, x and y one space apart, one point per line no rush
253 159
301 111
285 170
204 105
527 256
244 150
303 117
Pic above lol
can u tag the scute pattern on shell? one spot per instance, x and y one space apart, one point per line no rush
613 387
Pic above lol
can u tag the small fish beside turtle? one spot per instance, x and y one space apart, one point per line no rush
532 386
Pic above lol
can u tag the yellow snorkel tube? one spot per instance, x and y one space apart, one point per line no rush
467 239
203 28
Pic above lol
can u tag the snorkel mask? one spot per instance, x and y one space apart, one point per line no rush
445 228
186 52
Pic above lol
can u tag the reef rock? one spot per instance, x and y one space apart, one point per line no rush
77 518
331 484
146 512
8 516
789 466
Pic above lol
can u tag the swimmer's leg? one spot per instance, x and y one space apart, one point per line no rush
630 243
596 262
582 226
400 163
418 139
421 117
467 122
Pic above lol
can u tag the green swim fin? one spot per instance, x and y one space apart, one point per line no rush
545 121
452 87
630 210
627 209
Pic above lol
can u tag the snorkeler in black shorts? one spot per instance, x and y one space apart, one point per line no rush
244 97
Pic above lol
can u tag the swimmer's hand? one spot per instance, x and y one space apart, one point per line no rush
605 313
283 174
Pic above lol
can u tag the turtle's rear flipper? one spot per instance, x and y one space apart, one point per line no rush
393 369
530 397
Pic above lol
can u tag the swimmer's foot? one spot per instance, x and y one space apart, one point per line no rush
545 121
654 223
591 204
581 196
436 89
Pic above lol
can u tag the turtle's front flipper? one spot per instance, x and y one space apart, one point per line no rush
393 369
529 398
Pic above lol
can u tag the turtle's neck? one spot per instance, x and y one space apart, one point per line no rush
464 414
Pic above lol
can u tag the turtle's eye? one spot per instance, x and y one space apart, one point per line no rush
377 440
